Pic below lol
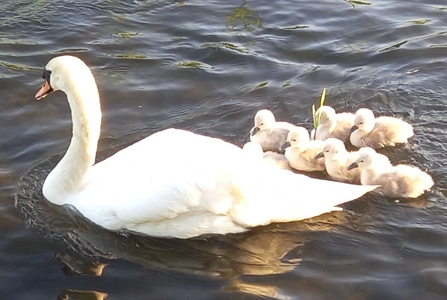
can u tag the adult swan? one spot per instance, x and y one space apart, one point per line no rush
173 183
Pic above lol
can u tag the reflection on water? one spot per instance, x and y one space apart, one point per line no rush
81 295
208 67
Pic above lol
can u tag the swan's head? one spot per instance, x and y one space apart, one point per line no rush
327 115
65 73
332 148
264 120
298 137
364 120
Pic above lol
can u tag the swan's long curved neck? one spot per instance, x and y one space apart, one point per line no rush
69 175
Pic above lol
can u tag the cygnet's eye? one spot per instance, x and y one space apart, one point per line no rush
361 161
261 124
326 150
293 140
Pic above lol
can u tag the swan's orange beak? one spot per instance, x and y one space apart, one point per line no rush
44 91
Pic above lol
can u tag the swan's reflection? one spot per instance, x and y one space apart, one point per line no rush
81 295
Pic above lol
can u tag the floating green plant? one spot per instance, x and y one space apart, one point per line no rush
357 2
194 64
124 35
315 117
225 45
130 56
14 66
261 85
287 83
244 18
420 21
296 27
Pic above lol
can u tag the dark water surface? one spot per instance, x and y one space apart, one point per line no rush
208 66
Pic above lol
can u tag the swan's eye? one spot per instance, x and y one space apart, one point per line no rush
293 140
46 75
261 124
327 150
361 161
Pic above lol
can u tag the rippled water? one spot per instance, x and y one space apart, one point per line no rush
208 66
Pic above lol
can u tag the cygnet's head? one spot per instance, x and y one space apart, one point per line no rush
297 137
364 120
332 148
264 119
66 73
327 116
365 158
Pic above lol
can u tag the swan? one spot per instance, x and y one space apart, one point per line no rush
333 125
173 183
277 160
395 181
369 131
268 133
301 152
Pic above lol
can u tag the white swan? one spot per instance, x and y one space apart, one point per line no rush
301 152
173 183
268 133
277 160
369 131
333 125
395 181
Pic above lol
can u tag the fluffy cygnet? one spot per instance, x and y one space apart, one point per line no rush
268 133
337 159
254 151
333 125
395 181
369 131
300 151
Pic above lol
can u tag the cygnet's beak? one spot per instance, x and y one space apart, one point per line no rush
254 130
285 146
44 91
352 166
319 155
353 128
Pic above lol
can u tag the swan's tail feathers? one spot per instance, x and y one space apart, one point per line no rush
326 198
290 197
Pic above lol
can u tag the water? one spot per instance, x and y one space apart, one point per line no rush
208 67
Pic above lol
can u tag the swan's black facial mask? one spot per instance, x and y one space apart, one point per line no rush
46 88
